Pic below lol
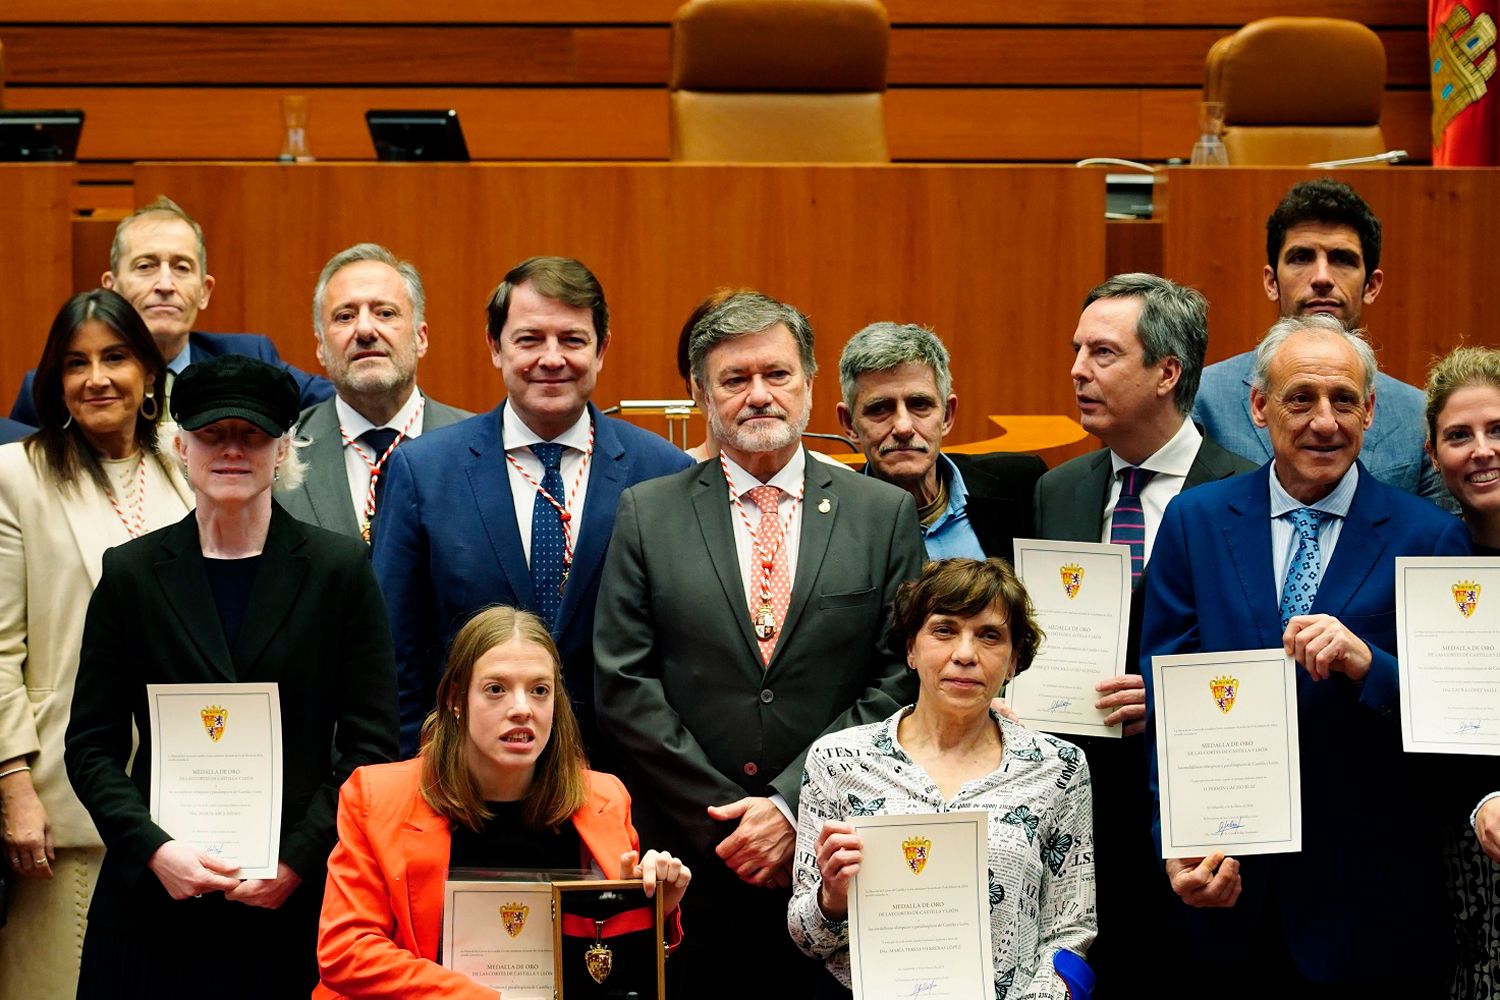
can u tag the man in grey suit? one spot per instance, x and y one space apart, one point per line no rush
1139 353
368 315
743 613
1323 257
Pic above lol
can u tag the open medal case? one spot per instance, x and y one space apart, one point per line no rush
609 941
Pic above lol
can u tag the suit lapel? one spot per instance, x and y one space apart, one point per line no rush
184 584
1361 542
422 867
1247 532
1212 463
275 592
90 519
812 545
607 475
711 504
1082 509
327 483
490 482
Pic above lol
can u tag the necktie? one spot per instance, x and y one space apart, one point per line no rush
770 571
547 537
375 441
1127 525
1306 569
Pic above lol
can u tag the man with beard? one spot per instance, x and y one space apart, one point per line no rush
744 612
368 315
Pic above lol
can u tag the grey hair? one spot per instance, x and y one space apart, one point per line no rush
290 472
161 206
370 251
1173 324
745 313
885 345
1265 351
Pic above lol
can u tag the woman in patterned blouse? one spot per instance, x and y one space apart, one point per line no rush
969 629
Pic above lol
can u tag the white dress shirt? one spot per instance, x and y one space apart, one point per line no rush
791 480
1171 463
356 469
518 441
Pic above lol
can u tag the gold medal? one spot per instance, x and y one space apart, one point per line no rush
599 960
364 530
764 622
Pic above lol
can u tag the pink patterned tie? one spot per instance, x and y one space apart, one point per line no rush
774 593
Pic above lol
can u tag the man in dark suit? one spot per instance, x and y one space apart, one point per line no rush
515 506
744 612
11 430
1300 555
158 261
1139 349
898 405
369 318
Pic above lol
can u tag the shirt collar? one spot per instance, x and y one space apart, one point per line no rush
789 479
1175 458
183 359
1336 503
354 423
518 435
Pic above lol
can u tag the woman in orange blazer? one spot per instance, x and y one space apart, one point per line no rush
499 783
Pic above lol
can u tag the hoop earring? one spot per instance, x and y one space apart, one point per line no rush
155 407
69 422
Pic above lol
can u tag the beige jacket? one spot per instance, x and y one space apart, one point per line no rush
52 542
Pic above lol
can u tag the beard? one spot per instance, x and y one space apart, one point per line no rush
772 437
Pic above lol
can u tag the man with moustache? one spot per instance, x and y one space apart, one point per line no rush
368 316
158 261
898 406
1323 258
515 506
744 612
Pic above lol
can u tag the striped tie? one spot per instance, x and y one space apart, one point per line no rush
1127 525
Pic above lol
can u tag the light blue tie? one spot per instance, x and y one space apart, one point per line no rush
1306 570
547 539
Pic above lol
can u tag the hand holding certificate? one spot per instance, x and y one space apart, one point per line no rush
216 770
1228 768
919 912
1081 595
1448 654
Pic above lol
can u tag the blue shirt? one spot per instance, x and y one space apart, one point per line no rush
1284 535
951 535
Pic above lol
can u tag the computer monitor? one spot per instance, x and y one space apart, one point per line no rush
417 135
39 135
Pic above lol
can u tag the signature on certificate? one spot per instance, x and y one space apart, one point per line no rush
921 988
1229 825
1468 726
1059 704
214 850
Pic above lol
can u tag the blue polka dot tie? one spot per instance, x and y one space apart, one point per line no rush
547 541
1306 569
1127 524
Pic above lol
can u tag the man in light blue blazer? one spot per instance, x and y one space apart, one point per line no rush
1300 555
1323 257
158 261
515 506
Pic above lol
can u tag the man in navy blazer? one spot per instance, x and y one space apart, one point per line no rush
1362 907
465 506
1323 257
159 262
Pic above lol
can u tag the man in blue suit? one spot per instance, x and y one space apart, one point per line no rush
514 506
159 262
1323 258
1301 554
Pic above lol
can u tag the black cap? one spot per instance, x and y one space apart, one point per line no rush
231 385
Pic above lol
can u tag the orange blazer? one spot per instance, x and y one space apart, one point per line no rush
382 918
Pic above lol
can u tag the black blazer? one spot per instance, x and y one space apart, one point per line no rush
315 624
1000 489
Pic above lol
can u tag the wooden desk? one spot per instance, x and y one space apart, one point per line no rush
36 256
1442 272
994 258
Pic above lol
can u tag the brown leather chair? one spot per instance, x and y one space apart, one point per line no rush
1298 90
779 81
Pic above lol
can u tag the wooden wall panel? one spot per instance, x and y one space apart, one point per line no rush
36 250
1437 254
943 241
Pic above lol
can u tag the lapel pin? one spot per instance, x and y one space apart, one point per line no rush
824 506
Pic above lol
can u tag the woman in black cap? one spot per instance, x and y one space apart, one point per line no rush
239 591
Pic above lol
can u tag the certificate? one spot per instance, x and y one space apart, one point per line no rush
1228 770
1448 654
1081 595
919 908
216 770
499 934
